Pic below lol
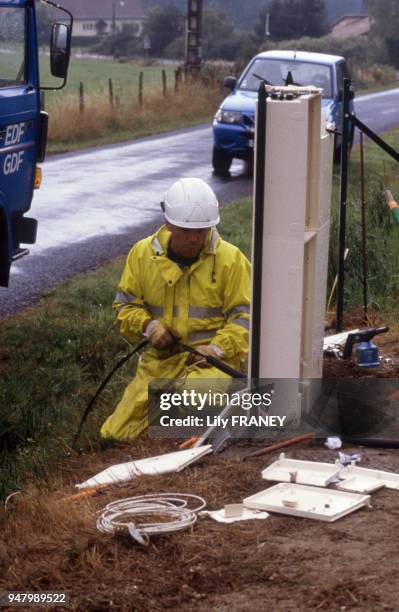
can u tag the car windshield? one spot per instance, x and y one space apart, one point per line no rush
275 71
12 46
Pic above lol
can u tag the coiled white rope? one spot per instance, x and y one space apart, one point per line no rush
123 515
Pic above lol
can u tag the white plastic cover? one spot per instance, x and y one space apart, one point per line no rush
365 480
302 472
161 464
308 502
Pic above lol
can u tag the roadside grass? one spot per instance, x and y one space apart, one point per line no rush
375 87
380 173
100 122
97 119
53 356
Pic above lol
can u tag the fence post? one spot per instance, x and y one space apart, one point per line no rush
141 88
178 75
111 92
81 98
164 82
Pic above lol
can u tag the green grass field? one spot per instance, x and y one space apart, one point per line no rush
95 73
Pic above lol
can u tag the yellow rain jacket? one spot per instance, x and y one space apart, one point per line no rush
206 303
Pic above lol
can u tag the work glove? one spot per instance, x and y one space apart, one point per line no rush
160 335
204 350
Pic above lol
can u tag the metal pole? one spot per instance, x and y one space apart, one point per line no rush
375 138
260 150
364 230
342 204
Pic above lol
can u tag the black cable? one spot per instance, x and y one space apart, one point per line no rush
371 442
223 367
101 387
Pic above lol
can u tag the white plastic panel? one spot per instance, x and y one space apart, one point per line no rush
161 464
308 502
301 472
365 480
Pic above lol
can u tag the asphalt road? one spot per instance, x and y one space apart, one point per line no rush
94 205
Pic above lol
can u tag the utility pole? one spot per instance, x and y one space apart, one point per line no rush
193 38
113 26
115 3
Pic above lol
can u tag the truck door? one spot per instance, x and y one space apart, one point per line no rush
19 112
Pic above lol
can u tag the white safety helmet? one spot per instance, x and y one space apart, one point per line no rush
191 203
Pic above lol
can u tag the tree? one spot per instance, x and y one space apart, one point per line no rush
124 43
314 18
293 19
101 27
219 38
386 24
162 26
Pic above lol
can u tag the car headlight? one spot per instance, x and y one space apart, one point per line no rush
226 116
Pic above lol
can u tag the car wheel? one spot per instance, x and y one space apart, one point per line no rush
221 162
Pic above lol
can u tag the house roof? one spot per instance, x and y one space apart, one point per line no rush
104 9
351 25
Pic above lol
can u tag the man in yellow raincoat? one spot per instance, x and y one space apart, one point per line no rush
183 282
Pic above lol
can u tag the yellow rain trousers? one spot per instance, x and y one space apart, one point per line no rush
206 303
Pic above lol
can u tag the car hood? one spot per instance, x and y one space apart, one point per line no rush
245 101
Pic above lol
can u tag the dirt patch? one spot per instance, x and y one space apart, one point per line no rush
282 563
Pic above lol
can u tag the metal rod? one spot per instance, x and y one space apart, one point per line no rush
364 230
270 449
342 204
260 158
375 138
218 363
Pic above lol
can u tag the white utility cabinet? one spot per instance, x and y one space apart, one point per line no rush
298 164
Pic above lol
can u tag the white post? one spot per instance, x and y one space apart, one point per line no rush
296 218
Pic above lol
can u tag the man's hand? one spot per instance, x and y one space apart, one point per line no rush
207 350
160 335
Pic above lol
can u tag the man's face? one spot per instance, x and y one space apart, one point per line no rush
187 242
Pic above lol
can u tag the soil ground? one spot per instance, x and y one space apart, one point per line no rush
283 563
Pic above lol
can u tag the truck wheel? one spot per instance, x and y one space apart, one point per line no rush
221 162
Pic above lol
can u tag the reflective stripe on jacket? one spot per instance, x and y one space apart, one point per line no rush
208 301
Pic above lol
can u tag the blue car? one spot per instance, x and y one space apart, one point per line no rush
233 125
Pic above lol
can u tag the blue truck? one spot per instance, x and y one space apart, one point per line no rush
23 125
